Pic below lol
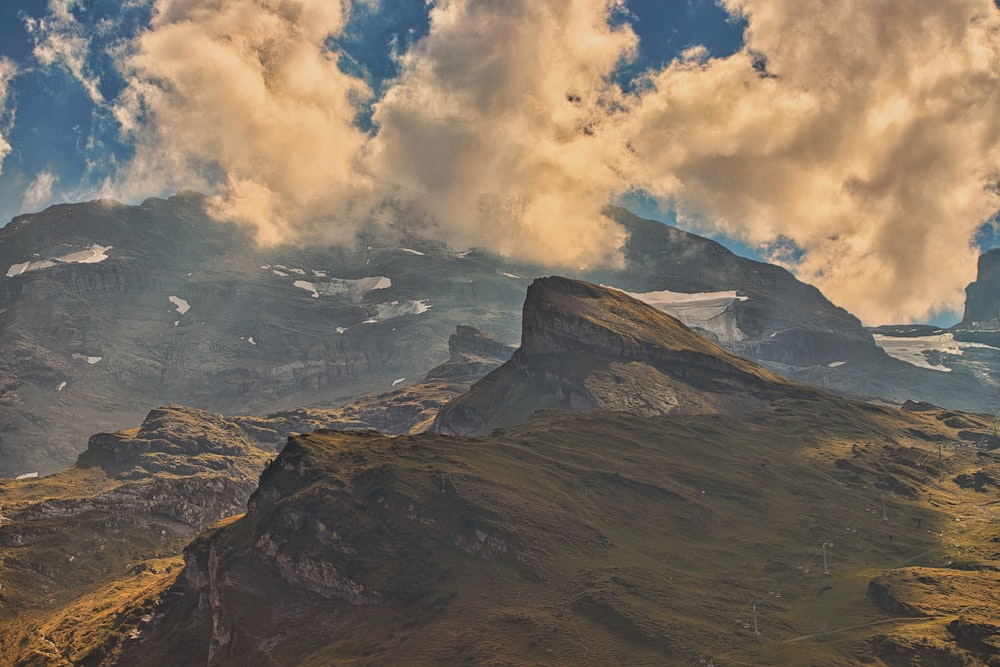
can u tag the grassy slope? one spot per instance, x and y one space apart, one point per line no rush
606 538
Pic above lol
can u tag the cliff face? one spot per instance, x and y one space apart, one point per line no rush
592 348
981 321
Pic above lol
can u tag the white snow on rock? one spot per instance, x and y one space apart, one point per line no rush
399 381
353 289
915 350
251 340
92 255
182 305
387 311
412 251
710 311
307 286
319 273
27 475
300 272
89 360
278 273
340 330
509 275
836 364
61 386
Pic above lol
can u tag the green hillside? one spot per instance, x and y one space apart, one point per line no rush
606 538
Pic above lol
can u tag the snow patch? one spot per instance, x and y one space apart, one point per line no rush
353 289
182 305
399 381
709 311
89 360
61 386
92 255
307 286
320 274
836 364
300 272
916 351
340 330
509 275
27 475
412 251
251 340
278 273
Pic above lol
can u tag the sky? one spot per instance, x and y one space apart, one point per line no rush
855 142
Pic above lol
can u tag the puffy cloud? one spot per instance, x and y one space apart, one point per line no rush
39 192
244 99
503 127
858 139
865 132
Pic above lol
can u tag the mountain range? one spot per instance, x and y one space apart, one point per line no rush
108 310
742 519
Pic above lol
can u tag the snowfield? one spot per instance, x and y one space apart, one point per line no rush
94 254
709 311
353 289
916 351
182 305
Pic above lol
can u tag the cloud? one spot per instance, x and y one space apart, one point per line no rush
858 139
503 126
242 98
8 70
61 40
39 192
865 132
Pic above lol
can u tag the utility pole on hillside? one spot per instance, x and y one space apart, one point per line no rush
885 517
753 604
825 569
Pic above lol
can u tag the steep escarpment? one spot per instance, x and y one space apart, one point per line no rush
981 320
592 348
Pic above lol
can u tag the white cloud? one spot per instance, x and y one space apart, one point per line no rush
61 40
39 192
8 70
870 143
242 98
867 139
503 127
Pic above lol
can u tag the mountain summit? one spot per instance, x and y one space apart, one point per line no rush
587 348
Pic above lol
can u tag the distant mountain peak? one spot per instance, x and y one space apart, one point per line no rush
586 348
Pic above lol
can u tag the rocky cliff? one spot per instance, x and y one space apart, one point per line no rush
585 347
981 320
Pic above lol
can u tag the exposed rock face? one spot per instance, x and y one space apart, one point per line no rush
587 348
981 321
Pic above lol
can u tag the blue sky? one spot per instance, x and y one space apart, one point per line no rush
857 148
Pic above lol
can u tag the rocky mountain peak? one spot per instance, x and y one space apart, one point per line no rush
586 347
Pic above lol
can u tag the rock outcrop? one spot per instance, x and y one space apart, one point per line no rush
585 348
